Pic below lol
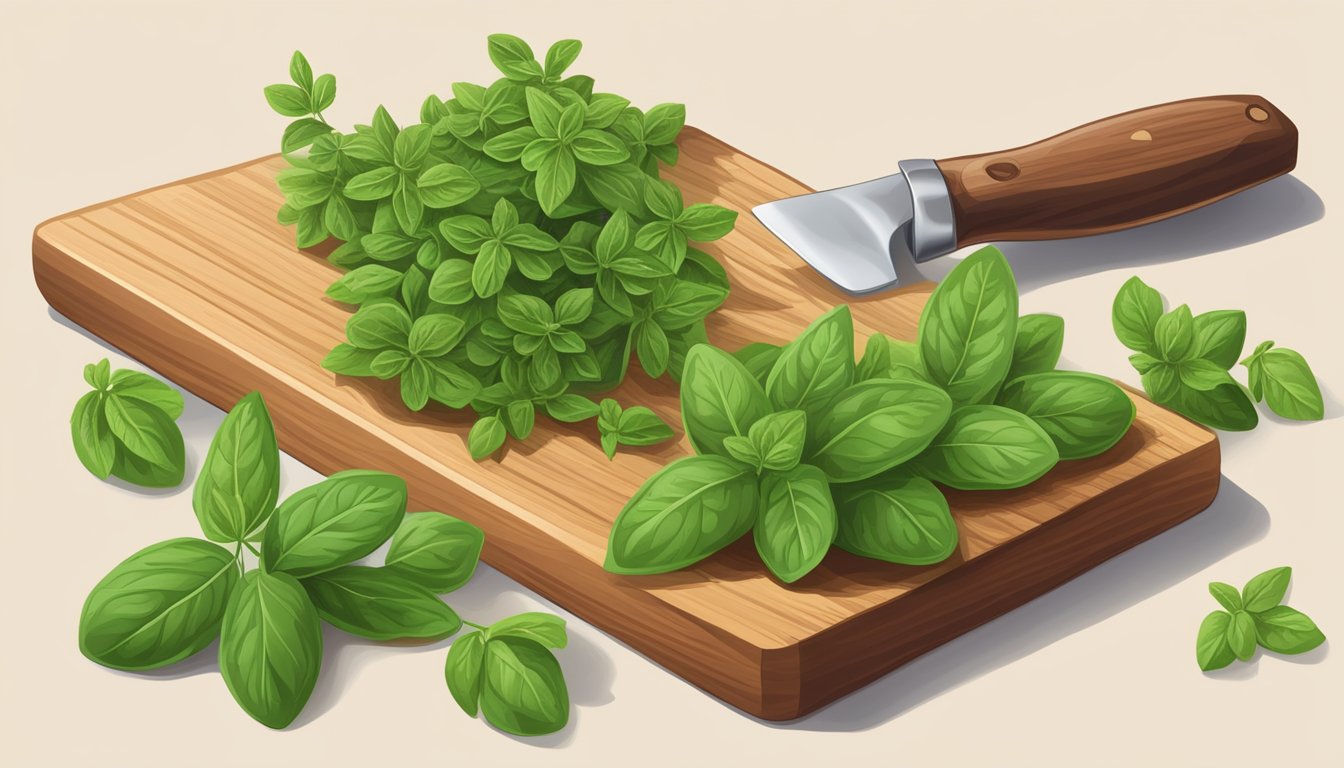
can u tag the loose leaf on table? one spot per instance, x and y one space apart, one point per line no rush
240 478
814 367
333 523
968 327
1266 590
1226 595
1036 348
463 670
523 690
147 389
270 648
146 432
895 517
94 444
1241 635
1084 414
1286 381
543 628
986 447
159 606
1212 649
436 551
379 604
684 513
797 521
875 425
1286 630
487 435
719 398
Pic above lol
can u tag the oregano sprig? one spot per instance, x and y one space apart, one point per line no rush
127 427
1254 616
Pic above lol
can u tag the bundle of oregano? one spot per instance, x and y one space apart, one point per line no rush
509 250
807 449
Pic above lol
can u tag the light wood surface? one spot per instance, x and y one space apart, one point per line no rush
197 280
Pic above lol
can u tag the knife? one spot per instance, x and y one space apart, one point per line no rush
1119 172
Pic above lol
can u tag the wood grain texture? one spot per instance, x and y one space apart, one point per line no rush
1122 171
197 280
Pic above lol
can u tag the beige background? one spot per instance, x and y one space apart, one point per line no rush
104 98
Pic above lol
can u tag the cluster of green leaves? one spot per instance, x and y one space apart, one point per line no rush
172 599
1253 616
510 250
806 448
1186 360
127 427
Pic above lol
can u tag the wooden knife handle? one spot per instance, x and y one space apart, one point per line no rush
1122 171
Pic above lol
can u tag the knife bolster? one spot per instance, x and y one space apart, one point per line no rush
932 230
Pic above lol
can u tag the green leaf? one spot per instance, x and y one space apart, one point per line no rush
1174 335
324 93
1285 630
466 233
380 604
704 222
300 71
366 283
390 363
463 670
968 327
1241 635
411 146
523 691
334 522
597 147
544 112
1162 382
137 471
379 326
1036 348
486 436
541 628
561 54
896 518
1211 647
445 185
270 649
744 450
147 389
159 606
240 477
508 147
373 185
301 133
1083 414
555 179
1267 589
520 417
525 314
436 551
288 100
617 187
652 346
778 439
513 57
1220 335
451 283
574 306
98 374
339 218
94 444
145 431
491 269
640 426
1134 315
684 513
816 366
686 303
571 408
758 358
1201 374
407 205
1288 384
604 109
875 425
988 447
1226 595
718 398
797 521
663 122
435 335
1224 407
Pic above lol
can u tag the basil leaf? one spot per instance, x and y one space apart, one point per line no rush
718 398
1134 315
524 691
362 284
334 522
796 523
887 358
513 57
486 436
147 389
137 471
1288 384
968 327
1220 335
1174 335
640 426
145 431
436 551
652 346
1226 595
463 670
379 604
1036 348
778 439
379 326
1284 630
1241 635
1201 374
896 518
445 185
687 511
875 425
520 416
98 375
240 478
1211 647
270 649
159 606
1083 414
816 366
758 358
288 100
542 628
94 444
1267 589
988 447
571 408
744 450
1224 407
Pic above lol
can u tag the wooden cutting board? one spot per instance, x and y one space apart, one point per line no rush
198 281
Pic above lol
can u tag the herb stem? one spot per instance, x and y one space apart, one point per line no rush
473 624
251 548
